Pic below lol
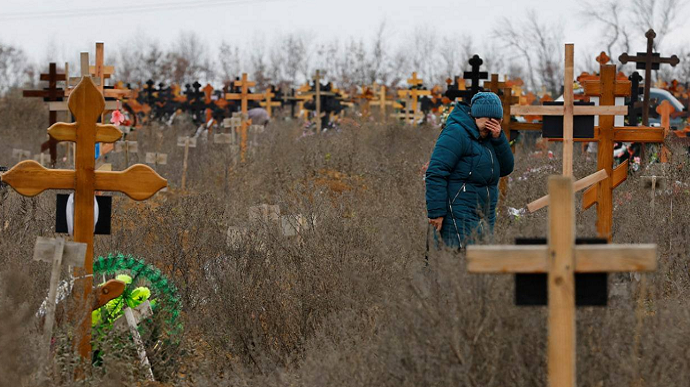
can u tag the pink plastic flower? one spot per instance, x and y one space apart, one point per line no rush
117 118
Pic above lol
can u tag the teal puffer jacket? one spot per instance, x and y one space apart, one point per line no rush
463 174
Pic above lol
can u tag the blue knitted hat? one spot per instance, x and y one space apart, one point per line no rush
486 105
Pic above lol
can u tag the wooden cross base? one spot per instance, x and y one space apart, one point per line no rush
561 259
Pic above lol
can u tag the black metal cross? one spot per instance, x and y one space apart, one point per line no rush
474 76
634 105
648 61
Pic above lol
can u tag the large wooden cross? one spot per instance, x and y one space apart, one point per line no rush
568 111
561 259
648 61
139 182
50 94
607 88
244 96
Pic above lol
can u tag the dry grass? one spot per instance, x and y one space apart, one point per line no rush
350 303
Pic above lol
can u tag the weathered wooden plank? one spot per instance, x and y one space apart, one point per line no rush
639 134
577 186
561 283
615 258
507 259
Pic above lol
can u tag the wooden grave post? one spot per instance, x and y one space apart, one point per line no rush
268 103
561 259
187 143
156 159
52 93
139 182
244 96
382 101
648 61
127 147
317 99
59 253
130 322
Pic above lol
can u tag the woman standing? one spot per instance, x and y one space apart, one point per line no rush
470 157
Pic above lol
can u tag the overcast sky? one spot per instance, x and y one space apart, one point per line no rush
29 25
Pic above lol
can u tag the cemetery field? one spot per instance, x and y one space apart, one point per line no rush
331 287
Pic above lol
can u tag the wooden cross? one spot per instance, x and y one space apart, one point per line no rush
139 182
268 102
208 93
494 85
412 97
607 88
664 110
244 96
648 61
568 110
603 59
561 259
52 93
382 101
187 143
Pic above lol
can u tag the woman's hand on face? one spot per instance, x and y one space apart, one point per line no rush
494 127
437 223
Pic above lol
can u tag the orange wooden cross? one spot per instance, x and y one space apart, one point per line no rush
208 94
244 96
494 85
603 59
412 96
665 109
268 102
139 182
608 88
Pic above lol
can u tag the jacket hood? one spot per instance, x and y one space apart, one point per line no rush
461 116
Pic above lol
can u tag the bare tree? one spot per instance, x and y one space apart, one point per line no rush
516 40
661 15
189 59
14 68
612 20
229 62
